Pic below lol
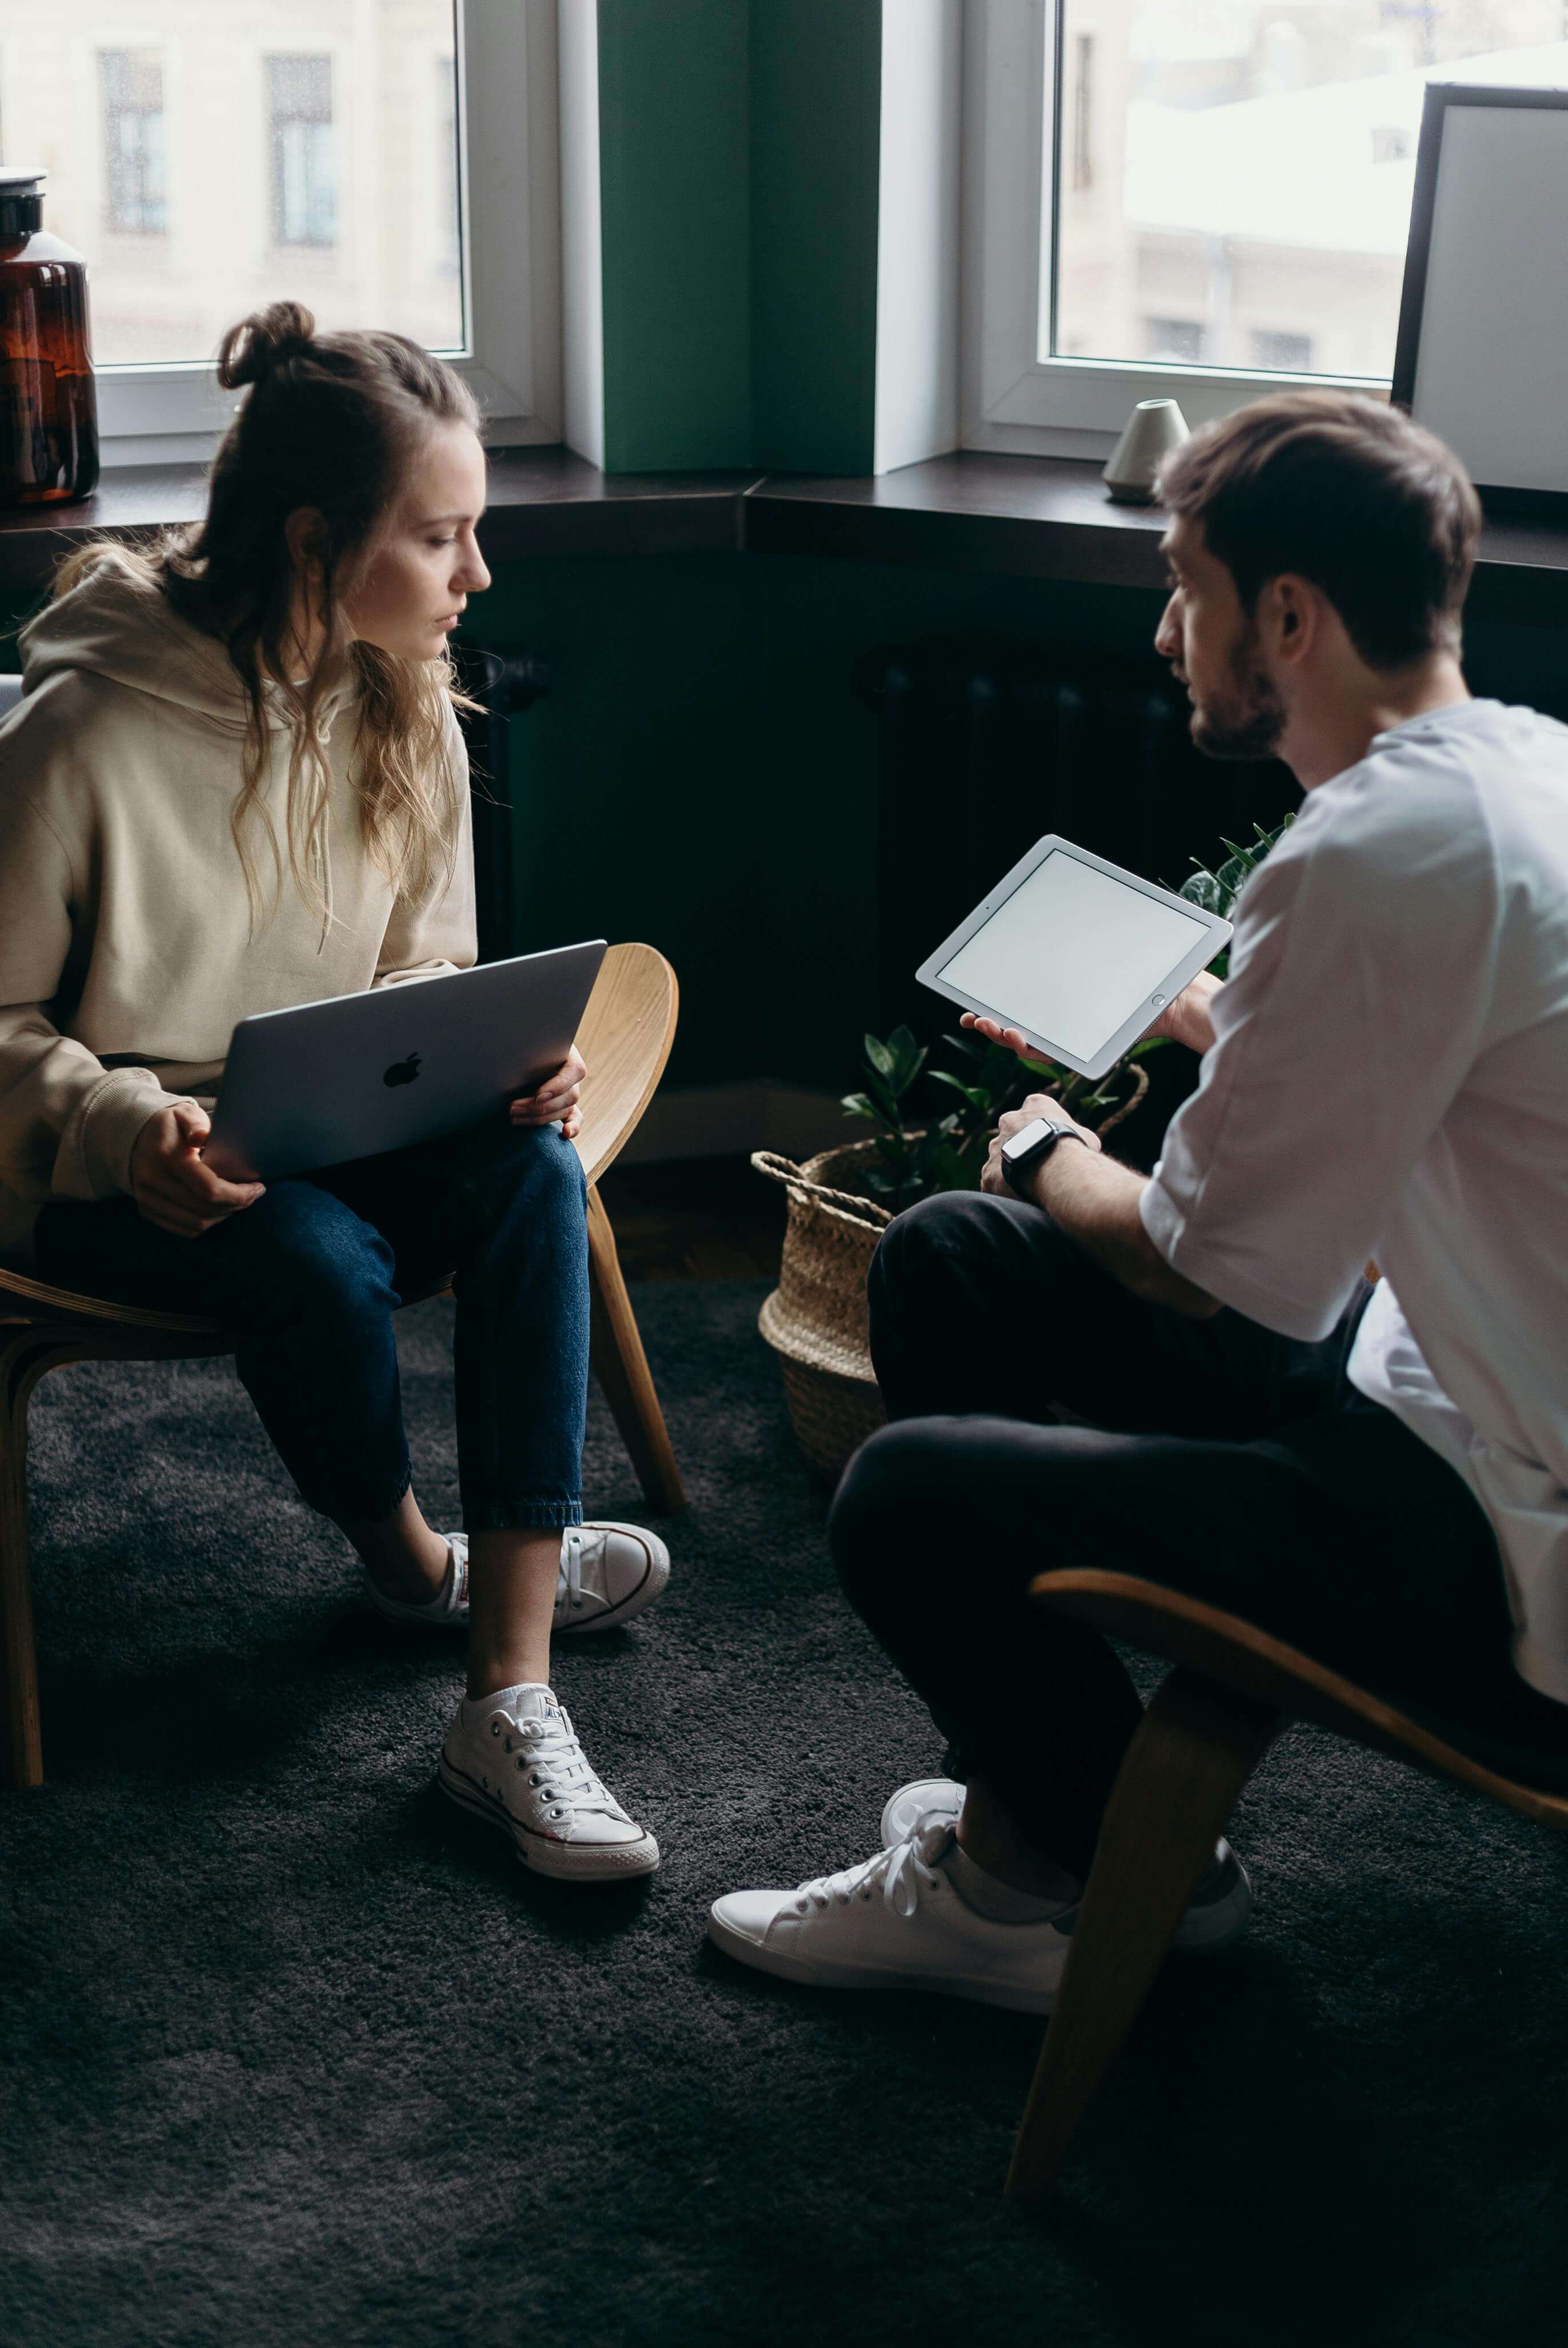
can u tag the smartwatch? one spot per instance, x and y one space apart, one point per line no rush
1030 1147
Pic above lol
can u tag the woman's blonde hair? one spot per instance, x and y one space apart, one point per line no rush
332 422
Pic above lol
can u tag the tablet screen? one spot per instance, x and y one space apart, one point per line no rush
1071 954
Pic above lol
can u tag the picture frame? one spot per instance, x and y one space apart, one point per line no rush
1481 352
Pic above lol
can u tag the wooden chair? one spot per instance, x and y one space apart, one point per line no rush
1233 1689
625 1038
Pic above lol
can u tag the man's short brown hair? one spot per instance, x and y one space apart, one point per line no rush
1345 492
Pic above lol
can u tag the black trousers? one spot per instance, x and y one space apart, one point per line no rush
1043 1415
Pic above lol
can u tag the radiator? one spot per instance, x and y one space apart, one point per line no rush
504 685
983 745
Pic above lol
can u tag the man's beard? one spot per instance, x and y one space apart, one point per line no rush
1248 723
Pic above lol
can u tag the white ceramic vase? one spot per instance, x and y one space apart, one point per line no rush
1154 428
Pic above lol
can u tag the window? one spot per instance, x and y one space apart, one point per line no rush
387 165
300 149
1233 199
132 83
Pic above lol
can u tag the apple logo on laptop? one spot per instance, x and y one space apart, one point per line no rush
403 1072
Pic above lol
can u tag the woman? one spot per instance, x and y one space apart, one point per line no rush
236 782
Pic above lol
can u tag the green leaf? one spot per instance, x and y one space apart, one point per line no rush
856 1105
1203 888
973 1094
880 1057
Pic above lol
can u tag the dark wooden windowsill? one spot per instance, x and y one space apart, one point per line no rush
1033 516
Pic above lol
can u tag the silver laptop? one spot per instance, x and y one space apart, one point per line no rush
362 1073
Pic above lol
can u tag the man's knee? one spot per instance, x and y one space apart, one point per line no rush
921 1246
881 1528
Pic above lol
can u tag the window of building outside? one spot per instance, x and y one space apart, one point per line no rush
227 158
1237 187
132 82
300 144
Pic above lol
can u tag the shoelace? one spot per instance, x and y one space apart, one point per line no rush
559 1769
580 1543
903 1872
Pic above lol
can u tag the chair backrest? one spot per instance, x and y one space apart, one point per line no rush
625 1038
1239 1656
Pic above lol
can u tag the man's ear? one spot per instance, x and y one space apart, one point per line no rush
1292 605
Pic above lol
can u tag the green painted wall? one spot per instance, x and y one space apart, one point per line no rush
674 190
739 144
815 100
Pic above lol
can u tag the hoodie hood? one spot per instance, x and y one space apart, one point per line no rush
117 622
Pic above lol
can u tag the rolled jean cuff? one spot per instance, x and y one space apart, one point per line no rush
356 1508
522 1516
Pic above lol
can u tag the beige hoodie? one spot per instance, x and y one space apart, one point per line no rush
125 955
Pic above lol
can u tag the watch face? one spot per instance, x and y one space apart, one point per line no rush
1029 1139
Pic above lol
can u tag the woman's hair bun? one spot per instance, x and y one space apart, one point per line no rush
251 351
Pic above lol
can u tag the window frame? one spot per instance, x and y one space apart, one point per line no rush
1012 398
509 215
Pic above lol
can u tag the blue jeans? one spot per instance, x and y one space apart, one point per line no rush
306 1279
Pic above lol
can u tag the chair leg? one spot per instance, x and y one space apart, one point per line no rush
22 1754
622 1367
1197 1747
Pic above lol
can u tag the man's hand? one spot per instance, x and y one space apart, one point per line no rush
172 1187
558 1097
1188 1019
1037 1105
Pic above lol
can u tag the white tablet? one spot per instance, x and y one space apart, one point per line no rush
1079 954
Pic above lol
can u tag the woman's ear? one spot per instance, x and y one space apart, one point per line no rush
304 531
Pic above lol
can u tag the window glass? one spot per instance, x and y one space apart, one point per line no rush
229 153
1234 176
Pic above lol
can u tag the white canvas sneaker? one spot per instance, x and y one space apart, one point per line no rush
896 1922
608 1572
1216 1914
512 1758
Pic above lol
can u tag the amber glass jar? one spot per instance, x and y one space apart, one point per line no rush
48 411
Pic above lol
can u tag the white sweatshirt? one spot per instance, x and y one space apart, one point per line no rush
126 952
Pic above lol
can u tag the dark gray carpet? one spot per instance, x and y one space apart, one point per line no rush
293 2052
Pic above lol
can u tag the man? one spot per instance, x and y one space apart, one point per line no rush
1186 1375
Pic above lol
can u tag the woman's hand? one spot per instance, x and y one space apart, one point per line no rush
172 1187
558 1097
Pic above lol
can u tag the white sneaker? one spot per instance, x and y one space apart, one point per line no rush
514 1759
1217 1914
896 1922
608 1572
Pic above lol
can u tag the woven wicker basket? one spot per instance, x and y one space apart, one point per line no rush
815 1319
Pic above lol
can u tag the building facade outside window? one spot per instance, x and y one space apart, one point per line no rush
1181 341
1083 113
131 82
1281 353
300 146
